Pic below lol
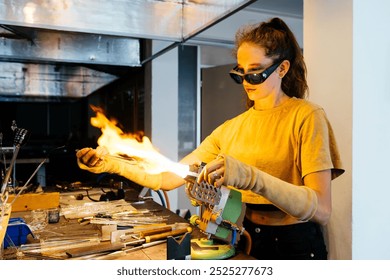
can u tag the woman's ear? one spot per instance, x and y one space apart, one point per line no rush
283 68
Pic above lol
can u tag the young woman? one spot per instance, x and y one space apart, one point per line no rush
281 153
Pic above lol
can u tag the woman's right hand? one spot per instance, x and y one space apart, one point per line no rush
91 157
99 161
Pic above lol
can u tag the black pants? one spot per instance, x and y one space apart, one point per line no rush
303 241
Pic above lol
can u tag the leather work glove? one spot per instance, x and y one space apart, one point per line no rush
99 161
300 202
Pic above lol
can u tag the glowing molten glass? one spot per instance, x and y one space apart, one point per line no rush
118 143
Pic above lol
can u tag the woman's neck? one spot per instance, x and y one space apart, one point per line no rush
271 102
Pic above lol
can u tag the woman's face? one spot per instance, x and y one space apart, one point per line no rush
251 57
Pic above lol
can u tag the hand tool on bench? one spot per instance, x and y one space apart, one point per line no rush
158 236
145 236
124 235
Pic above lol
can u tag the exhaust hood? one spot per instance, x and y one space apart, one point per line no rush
49 47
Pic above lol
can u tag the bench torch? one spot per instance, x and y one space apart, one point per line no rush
220 209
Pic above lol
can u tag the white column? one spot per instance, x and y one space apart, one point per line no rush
165 108
327 48
348 51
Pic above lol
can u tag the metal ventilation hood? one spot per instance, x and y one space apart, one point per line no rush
47 47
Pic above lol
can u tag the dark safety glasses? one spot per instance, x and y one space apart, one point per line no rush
253 77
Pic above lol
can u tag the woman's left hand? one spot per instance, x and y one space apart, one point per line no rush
213 172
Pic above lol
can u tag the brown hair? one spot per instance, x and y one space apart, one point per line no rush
278 42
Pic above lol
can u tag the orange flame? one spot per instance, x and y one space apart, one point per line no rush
134 146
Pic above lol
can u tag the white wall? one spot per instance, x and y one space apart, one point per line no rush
371 129
328 54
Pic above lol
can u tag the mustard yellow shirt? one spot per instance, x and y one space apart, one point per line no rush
288 142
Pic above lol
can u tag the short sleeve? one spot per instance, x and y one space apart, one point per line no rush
317 146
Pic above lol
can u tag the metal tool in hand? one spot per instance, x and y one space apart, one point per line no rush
221 207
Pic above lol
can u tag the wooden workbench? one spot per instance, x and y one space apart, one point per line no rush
70 227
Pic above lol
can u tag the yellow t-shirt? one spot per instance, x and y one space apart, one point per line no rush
288 142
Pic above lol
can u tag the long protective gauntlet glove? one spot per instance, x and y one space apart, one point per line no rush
127 169
298 201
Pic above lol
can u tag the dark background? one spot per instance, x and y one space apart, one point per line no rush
57 127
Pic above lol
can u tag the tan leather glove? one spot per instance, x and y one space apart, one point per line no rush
298 201
98 161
